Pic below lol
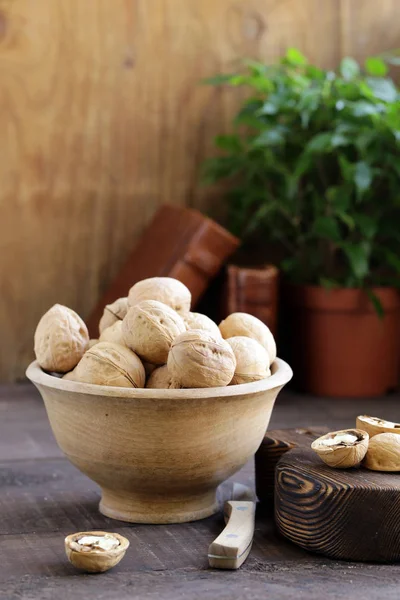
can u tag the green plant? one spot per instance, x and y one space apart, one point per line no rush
313 164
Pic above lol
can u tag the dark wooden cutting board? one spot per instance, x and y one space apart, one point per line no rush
351 514
274 445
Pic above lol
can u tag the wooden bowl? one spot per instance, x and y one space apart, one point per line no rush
158 455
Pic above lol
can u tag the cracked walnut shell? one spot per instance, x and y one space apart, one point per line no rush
243 324
252 360
167 290
342 449
95 551
373 425
198 359
110 364
149 329
383 453
61 339
113 313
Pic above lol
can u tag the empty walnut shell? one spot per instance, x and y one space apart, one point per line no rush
149 329
113 334
243 324
198 359
110 364
61 339
383 453
198 321
112 313
252 360
161 379
94 558
342 449
167 290
373 425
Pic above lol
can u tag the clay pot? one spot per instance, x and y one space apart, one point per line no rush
159 455
340 346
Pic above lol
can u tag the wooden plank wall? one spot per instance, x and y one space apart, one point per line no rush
102 118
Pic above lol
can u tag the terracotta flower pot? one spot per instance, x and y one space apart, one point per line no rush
340 345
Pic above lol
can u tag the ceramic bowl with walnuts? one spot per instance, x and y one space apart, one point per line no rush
162 408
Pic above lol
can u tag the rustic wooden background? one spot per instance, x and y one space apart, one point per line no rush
102 118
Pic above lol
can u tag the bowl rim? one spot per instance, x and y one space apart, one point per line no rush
281 374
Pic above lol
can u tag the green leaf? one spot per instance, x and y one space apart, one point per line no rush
327 283
346 219
326 227
362 108
376 303
268 108
270 137
367 226
376 66
384 89
358 258
346 168
349 68
219 79
295 57
230 143
339 197
338 139
392 259
320 142
362 176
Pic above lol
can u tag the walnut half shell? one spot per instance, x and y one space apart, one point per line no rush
342 449
383 453
95 551
374 425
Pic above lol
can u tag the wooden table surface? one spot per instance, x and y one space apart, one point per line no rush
43 498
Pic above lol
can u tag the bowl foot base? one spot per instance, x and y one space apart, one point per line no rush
154 509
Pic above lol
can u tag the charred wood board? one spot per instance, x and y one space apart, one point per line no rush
274 445
350 514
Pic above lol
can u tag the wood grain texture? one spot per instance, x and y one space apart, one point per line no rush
351 514
103 119
43 498
274 445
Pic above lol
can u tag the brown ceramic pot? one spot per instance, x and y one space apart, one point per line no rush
340 345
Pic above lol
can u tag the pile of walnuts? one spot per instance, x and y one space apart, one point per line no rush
151 339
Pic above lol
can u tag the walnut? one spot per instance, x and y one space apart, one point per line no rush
342 449
110 364
70 376
198 321
149 329
373 425
167 290
198 359
383 453
112 313
162 380
252 360
113 334
95 551
61 339
243 324
92 342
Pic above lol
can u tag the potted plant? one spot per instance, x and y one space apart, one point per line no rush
313 167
